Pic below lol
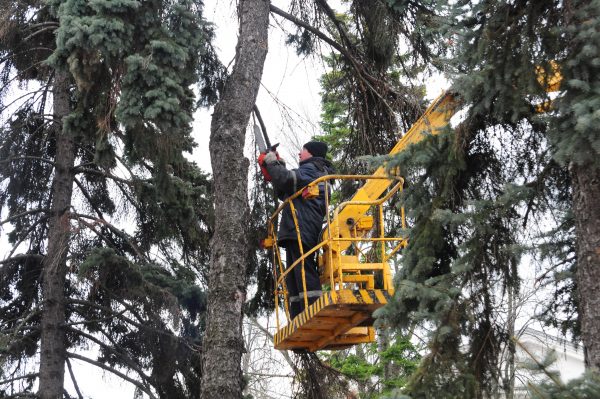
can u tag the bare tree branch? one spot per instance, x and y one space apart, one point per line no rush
40 31
10 55
285 354
89 198
22 377
103 366
112 228
364 77
11 159
333 18
73 379
42 24
119 315
19 215
28 94
121 355
80 169
25 236
92 227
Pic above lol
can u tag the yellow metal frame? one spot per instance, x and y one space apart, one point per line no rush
343 315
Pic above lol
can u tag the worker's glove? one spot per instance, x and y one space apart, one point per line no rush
267 158
270 157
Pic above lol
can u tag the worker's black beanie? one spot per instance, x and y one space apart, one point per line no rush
316 148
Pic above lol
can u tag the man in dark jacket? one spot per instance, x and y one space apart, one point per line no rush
309 213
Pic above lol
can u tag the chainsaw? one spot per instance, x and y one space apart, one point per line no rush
264 146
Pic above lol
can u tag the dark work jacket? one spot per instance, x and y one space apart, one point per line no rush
310 212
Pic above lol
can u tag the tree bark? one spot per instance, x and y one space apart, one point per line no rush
53 339
586 207
223 342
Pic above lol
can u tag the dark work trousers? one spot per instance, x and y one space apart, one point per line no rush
293 280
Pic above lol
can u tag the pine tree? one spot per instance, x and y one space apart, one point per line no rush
121 74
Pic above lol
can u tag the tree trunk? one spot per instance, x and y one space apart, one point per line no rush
586 207
223 342
53 339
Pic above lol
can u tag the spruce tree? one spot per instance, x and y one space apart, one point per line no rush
356 124
110 156
507 179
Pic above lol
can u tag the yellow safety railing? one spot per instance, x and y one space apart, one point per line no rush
332 261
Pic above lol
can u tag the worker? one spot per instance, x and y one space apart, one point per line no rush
309 213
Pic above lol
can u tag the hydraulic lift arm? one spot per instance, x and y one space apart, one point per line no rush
432 122
435 118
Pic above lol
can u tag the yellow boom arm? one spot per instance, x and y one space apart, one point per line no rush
435 118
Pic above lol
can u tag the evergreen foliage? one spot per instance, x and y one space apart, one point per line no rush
491 189
494 187
141 217
574 133
549 384
585 387
378 372
363 113
349 132
317 380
